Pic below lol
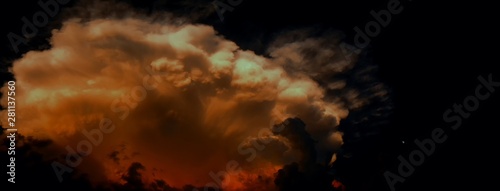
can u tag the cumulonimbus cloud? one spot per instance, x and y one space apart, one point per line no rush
213 96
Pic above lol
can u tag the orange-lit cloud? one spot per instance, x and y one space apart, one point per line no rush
210 98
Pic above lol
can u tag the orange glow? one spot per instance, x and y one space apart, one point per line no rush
338 185
213 98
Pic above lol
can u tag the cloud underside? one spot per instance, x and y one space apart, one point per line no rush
184 100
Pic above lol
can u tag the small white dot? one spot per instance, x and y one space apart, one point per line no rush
403 142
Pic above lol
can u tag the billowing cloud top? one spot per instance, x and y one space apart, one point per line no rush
183 98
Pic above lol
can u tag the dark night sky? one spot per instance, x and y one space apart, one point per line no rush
430 56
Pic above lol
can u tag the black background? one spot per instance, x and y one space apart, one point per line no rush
430 55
